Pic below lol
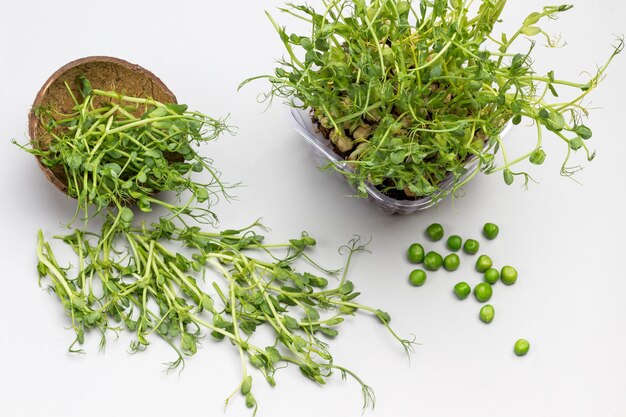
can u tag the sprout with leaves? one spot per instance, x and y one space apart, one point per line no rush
114 150
410 92
171 280
222 284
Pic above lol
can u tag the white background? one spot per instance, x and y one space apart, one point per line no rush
567 240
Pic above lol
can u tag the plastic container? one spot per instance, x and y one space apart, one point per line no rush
322 148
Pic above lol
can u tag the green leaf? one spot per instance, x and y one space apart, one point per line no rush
85 86
126 216
538 157
158 112
144 205
113 169
207 303
555 122
74 161
91 166
508 177
273 354
154 153
250 401
383 316
346 288
329 332
532 18
312 314
306 43
530 30
436 71
397 157
290 322
177 108
42 269
576 143
246 385
188 344
583 131
201 194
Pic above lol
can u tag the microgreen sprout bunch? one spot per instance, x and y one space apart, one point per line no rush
410 92
115 150
182 285
169 279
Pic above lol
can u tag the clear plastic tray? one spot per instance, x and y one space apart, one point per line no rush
322 148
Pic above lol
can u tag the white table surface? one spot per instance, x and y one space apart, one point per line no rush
567 240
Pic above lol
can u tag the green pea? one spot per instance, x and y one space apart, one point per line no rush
522 346
492 276
432 261
451 262
462 290
471 246
434 232
483 263
454 243
487 313
415 254
417 277
483 292
508 275
491 231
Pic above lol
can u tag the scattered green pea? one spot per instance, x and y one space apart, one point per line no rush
487 313
491 230
415 254
452 262
462 290
508 275
454 243
417 277
434 232
521 348
471 246
483 292
483 263
432 261
492 276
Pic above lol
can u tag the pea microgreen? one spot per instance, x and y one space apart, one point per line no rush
170 279
410 92
220 284
115 150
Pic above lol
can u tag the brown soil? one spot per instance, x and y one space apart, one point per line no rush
104 73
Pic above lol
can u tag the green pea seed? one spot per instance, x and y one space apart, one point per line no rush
417 277
415 254
483 292
492 276
462 290
434 232
491 230
508 275
483 263
521 348
487 313
451 262
471 246
454 243
432 261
